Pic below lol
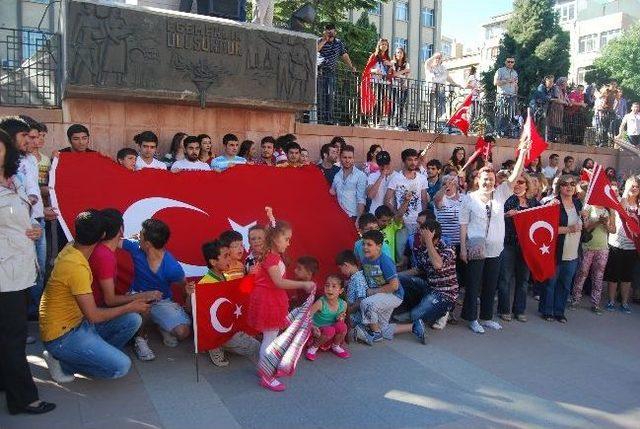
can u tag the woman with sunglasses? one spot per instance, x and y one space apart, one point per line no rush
623 255
554 294
514 272
482 241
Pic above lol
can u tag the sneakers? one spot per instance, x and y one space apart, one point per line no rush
441 323
573 305
377 336
597 310
476 327
611 306
491 324
168 339
142 350
311 354
339 351
625 308
362 335
218 358
419 331
57 374
521 318
272 384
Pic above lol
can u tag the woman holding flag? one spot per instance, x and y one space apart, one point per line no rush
623 253
374 88
555 292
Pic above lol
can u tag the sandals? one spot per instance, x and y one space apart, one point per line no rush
272 384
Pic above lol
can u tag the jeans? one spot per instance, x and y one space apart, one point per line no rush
326 92
513 271
95 349
482 280
431 305
35 291
555 291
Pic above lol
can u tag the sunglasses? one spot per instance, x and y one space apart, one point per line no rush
568 184
510 62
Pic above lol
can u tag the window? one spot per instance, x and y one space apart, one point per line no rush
425 52
377 9
402 11
399 42
587 43
566 12
446 49
427 17
580 78
607 36
32 42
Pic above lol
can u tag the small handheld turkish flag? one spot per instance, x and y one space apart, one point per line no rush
460 119
537 230
219 311
538 144
600 193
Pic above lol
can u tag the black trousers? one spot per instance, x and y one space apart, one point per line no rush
482 281
15 375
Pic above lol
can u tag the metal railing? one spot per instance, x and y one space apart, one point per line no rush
30 68
343 99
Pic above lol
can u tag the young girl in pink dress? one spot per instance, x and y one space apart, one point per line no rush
269 303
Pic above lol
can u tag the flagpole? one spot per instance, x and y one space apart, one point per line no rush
194 311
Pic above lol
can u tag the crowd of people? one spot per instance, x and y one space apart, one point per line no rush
427 232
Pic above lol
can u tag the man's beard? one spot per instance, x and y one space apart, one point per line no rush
193 158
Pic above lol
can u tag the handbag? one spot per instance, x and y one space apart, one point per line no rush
477 246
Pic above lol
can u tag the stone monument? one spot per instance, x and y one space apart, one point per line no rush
129 52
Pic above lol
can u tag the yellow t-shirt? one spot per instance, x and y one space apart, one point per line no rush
59 311
235 271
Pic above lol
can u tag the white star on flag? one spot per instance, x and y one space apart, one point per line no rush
238 311
544 249
244 230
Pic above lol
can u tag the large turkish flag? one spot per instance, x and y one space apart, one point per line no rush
199 205
537 230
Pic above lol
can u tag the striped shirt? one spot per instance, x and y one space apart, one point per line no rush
330 53
443 281
448 216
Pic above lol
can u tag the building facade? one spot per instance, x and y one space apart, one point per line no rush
592 24
412 24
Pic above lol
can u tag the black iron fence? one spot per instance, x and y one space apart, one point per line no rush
409 104
30 68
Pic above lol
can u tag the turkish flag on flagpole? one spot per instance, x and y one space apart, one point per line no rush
460 119
537 230
219 311
601 194
538 144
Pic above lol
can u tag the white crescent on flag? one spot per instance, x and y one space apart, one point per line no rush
215 322
544 225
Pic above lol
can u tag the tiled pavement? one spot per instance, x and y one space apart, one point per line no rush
585 374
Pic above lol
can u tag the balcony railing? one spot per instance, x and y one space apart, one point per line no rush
30 68
416 105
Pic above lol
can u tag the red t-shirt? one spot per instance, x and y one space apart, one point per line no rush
103 267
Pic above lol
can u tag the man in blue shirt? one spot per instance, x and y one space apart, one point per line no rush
384 292
230 156
155 268
330 50
350 184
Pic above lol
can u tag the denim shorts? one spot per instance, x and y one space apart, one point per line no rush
168 315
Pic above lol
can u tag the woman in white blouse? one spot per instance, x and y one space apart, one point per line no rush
17 274
482 242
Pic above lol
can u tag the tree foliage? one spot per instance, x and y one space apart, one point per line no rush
536 41
360 37
620 60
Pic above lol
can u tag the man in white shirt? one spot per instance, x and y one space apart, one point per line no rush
147 141
632 121
551 170
408 180
191 159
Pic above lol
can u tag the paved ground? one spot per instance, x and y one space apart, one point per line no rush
585 374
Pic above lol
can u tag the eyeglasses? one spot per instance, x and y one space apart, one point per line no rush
510 62
568 184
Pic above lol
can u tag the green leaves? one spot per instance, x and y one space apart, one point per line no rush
620 60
